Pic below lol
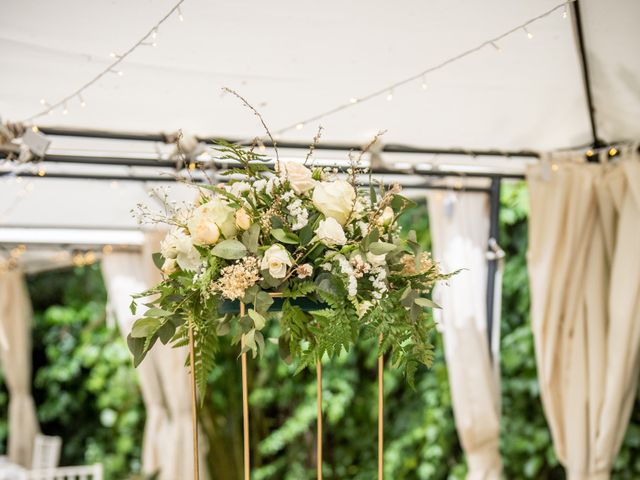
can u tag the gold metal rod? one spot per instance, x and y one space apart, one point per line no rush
194 403
245 408
381 416
319 421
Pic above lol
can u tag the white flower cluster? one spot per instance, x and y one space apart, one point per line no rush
347 270
299 213
377 278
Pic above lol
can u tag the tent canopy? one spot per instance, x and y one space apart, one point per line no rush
294 59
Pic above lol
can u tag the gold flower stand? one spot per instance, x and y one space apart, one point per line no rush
245 410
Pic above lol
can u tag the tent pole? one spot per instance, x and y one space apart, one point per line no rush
492 266
584 67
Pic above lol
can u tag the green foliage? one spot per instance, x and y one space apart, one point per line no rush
84 386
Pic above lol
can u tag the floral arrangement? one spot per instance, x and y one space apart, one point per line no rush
328 247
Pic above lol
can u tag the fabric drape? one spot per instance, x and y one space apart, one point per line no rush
460 228
164 380
584 268
15 354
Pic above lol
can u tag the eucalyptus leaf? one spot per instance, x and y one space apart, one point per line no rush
250 238
258 320
380 248
158 259
229 250
427 303
145 327
285 237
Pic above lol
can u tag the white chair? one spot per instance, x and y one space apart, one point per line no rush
46 452
88 472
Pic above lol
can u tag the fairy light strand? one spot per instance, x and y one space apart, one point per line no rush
388 90
111 68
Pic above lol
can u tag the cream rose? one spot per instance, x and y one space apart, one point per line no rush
169 245
276 260
299 177
335 199
387 217
305 270
243 220
330 232
214 212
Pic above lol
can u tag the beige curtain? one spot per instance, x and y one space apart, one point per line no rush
15 353
460 228
164 380
584 267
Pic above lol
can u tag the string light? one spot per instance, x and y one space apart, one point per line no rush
107 250
65 110
41 172
82 102
565 12
390 96
590 153
424 83
613 151
443 64
117 59
300 126
529 34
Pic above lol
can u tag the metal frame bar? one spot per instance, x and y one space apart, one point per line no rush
395 148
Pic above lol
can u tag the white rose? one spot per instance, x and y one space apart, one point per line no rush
276 259
335 199
169 245
169 266
243 220
237 188
330 232
387 217
178 247
215 211
299 177
376 260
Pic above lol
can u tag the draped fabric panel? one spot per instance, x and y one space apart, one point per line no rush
584 268
15 356
460 229
164 380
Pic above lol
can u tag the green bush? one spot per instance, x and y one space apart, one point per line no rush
86 392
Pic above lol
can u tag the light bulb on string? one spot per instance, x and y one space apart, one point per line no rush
180 16
565 12
529 34
154 34
496 46
390 96
82 102
115 55
65 110
353 100
117 72
424 83
300 126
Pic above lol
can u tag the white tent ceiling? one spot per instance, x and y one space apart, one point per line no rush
294 59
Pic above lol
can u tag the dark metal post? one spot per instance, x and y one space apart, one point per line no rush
494 233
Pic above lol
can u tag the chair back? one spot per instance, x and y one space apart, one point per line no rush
46 452
88 472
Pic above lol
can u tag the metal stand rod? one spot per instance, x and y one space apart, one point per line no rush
319 421
381 416
245 409
194 403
